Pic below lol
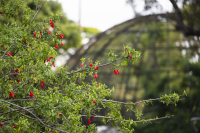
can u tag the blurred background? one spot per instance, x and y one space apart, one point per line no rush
167 32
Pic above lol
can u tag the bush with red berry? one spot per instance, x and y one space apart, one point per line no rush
32 96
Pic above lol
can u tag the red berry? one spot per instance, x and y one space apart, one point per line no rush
89 121
96 67
90 64
12 94
31 94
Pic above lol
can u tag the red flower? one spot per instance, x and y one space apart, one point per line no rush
60 114
12 94
81 65
52 24
130 56
44 61
61 35
51 57
16 70
42 82
42 86
34 34
1 12
15 127
6 48
96 67
7 54
31 94
90 64
40 35
49 32
124 49
94 101
95 76
34 76
89 121
48 59
61 43
115 72
24 41
92 116
97 84
1 45
18 80
1 125
56 46
11 53
118 71
59 84
53 64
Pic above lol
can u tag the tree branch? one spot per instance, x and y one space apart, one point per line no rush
134 121
38 10
186 30
7 50
33 115
156 99
99 66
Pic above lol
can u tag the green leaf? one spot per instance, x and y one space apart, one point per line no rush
124 63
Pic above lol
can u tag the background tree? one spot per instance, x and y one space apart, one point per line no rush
187 18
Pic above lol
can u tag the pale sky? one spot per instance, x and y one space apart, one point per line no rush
103 14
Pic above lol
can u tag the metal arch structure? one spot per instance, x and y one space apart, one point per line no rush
164 67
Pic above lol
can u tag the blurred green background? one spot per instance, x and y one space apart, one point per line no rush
169 63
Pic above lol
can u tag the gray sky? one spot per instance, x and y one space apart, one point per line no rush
103 14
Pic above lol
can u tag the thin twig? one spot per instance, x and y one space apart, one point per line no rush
134 121
156 99
38 10
7 50
21 86
16 74
13 100
22 113
99 66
